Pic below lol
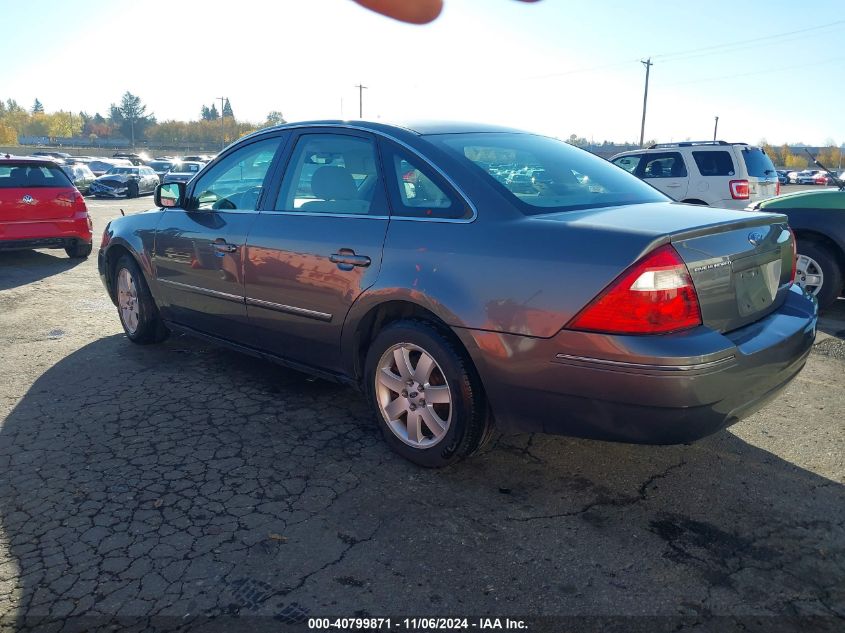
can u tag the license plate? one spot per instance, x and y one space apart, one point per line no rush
757 287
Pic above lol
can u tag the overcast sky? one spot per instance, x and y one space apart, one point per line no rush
768 68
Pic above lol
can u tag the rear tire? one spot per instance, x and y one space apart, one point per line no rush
132 189
135 305
453 423
79 250
826 260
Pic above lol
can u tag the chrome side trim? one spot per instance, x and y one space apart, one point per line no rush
416 152
626 365
202 291
280 307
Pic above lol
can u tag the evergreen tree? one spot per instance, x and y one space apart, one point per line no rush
37 107
227 110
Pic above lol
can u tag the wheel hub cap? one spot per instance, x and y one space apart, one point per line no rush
809 274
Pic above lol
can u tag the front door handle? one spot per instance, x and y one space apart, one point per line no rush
222 246
346 259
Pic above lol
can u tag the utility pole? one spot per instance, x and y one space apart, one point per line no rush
715 128
361 90
647 63
222 124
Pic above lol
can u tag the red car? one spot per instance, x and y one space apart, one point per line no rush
40 208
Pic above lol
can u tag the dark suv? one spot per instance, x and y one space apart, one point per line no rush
401 261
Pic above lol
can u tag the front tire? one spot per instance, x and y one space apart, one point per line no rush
132 189
79 250
135 305
818 271
428 400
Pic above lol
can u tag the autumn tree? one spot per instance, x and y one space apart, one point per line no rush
274 118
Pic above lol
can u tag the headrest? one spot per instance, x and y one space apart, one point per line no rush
333 183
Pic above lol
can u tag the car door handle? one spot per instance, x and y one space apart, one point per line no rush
673 184
346 259
222 246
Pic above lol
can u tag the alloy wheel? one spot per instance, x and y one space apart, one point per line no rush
127 300
413 395
809 274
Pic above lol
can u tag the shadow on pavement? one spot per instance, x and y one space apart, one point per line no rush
18 268
182 481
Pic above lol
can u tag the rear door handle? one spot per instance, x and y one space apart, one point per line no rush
222 246
346 259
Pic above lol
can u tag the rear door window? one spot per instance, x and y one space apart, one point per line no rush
758 163
714 163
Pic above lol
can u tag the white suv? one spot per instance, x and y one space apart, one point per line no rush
714 173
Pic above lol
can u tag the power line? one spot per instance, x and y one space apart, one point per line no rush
779 69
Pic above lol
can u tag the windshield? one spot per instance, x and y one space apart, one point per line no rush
758 164
186 168
158 165
123 170
545 175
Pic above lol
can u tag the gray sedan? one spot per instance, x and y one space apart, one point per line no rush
412 263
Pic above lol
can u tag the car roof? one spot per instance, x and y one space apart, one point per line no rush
29 160
419 127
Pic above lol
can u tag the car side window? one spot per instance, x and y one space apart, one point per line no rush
417 192
668 165
236 181
714 163
335 174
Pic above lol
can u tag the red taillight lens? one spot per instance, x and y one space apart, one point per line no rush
777 188
654 296
739 189
72 199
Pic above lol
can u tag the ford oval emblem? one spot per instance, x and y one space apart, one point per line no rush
28 199
755 237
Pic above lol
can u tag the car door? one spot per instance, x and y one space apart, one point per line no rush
199 250
666 172
317 246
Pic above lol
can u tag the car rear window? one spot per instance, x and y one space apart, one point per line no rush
569 178
27 175
714 163
758 164
160 165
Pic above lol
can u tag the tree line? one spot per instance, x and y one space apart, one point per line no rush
794 157
128 119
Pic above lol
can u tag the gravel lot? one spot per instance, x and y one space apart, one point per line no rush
184 482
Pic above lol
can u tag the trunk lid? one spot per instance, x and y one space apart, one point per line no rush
740 262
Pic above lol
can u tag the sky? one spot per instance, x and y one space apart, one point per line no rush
556 67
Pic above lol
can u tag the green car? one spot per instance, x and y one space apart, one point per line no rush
818 220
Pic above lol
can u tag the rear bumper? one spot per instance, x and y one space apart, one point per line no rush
652 390
45 234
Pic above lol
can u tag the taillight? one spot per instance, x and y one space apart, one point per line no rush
777 188
655 295
794 256
72 199
739 189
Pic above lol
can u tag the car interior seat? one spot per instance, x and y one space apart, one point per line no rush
336 189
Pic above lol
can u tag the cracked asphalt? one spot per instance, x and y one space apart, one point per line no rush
188 482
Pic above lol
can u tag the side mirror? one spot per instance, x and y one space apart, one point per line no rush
169 195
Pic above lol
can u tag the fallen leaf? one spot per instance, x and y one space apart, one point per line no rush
277 537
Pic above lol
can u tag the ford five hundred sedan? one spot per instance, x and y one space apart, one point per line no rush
406 262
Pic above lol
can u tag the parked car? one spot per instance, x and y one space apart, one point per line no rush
161 167
59 157
101 165
78 160
80 175
713 173
807 177
132 157
183 172
40 208
818 220
129 182
793 177
600 310
783 176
